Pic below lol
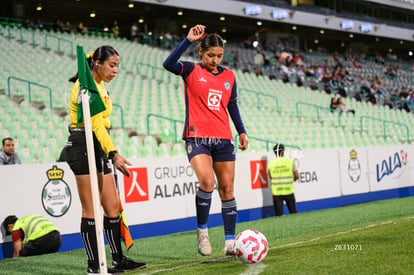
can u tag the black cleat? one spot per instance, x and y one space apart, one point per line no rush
91 270
128 264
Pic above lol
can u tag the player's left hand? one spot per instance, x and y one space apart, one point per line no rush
244 142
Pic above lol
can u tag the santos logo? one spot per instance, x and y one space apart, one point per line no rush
258 174
136 186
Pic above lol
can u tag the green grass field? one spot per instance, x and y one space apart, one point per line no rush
371 238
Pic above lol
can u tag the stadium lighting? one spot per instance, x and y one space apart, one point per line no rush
131 5
180 12
141 20
410 53
223 30
39 7
255 44
222 18
321 31
92 14
294 28
259 23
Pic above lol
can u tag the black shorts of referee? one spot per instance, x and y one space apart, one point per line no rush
75 154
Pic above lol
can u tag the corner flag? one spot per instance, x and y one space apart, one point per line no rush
86 83
89 101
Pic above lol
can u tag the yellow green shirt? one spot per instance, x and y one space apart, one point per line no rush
100 122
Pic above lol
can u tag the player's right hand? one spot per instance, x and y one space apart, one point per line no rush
196 33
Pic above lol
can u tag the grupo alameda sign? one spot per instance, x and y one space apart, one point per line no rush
160 182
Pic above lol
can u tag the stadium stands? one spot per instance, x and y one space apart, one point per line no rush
149 105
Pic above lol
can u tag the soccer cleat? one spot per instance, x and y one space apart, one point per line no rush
204 247
229 248
128 264
91 270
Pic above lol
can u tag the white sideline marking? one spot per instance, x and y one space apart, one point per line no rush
335 234
258 268
255 269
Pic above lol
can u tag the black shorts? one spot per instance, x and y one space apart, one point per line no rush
218 149
75 154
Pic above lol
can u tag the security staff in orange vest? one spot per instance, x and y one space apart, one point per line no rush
283 174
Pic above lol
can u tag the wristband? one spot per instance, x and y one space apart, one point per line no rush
111 154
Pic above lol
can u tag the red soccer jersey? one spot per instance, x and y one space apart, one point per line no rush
206 97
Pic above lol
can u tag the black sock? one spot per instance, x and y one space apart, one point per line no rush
203 205
88 234
229 214
112 229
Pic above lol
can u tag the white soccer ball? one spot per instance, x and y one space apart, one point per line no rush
251 246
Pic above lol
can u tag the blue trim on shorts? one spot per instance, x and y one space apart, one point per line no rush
219 149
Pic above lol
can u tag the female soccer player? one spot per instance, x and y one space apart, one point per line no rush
210 95
104 63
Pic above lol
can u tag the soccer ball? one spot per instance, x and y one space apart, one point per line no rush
251 246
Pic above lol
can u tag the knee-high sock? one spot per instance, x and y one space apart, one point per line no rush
112 231
229 214
88 234
203 204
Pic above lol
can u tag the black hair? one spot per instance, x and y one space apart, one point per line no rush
211 40
5 139
102 53
8 220
278 149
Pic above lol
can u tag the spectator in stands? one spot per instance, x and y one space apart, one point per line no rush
211 92
285 62
134 32
32 235
81 28
236 58
38 25
326 78
403 103
58 25
67 27
28 24
342 108
7 154
333 105
115 28
104 63
258 61
168 40
410 100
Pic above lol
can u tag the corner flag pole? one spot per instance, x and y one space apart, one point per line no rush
94 183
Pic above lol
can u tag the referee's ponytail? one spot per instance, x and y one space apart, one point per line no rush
102 53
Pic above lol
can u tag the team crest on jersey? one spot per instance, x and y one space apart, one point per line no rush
227 85
189 149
